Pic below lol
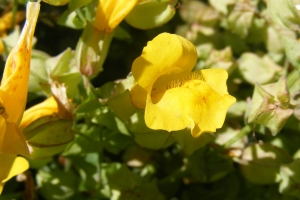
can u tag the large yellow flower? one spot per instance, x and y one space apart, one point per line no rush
173 96
13 97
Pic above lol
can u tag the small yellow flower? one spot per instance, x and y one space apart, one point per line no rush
6 23
173 96
111 12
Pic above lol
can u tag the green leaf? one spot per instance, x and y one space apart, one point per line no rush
222 6
74 4
240 20
258 69
122 105
56 184
188 143
146 137
206 166
129 186
290 179
260 163
151 14
292 49
116 142
38 80
196 11
86 142
72 20
107 118
284 13
56 2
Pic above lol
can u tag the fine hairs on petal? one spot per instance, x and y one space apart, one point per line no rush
179 81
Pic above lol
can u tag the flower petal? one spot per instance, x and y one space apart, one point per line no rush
46 108
165 54
194 103
111 12
218 117
11 165
14 84
138 96
12 140
216 78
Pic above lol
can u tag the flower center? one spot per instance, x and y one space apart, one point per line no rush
183 79
170 81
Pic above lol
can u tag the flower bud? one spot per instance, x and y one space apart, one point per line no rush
45 131
270 105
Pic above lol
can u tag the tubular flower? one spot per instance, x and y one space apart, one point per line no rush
14 87
173 96
93 46
13 96
111 12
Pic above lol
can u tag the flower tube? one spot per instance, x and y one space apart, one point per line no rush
93 46
173 96
13 97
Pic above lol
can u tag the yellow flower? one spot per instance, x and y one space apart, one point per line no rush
13 97
173 96
11 165
5 24
14 87
111 12
6 21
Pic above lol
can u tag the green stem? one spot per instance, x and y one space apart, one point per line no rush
84 136
245 131
100 159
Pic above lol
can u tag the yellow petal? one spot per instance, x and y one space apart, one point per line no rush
111 12
46 108
165 54
195 102
14 85
138 96
11 165
1 47
12 140
216 78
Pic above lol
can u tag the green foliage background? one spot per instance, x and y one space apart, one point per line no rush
117 157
